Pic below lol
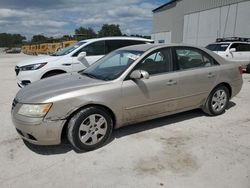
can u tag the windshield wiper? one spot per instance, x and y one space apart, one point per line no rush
91 75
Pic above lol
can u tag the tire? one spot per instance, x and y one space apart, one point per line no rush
53 73
217 101
89 128
248 68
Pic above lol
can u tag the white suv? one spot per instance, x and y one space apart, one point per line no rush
71 59
239 51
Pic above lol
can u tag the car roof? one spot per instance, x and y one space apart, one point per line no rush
151 47
229 42
117 38
146 47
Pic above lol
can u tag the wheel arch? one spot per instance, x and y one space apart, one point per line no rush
63 134
205 107
60 71
227 85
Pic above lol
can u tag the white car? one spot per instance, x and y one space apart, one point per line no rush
71 59
238 51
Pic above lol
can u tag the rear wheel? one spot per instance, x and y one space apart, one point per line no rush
217 101
89 129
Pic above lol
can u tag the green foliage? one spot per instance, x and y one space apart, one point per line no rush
85 33
110 30
38 38
11 40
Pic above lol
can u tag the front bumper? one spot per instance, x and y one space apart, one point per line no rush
38 131
26 77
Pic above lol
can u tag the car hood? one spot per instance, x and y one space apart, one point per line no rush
38 59
43 90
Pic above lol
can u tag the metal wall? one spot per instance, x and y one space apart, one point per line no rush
170 20
200 21
204 27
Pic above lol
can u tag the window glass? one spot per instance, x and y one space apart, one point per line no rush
112 45
221 47
158 62
236 46
112 65
243 47
120 59
188 58
68 49
96 48
248 47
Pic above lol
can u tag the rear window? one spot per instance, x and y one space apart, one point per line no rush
218 47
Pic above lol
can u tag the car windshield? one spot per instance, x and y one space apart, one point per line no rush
69 49
218 47
113 65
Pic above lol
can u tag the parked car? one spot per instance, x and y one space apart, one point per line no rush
237 50
132 84
13 50
71 59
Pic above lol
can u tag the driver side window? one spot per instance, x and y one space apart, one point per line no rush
157 62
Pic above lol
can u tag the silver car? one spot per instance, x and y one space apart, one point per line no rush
132 84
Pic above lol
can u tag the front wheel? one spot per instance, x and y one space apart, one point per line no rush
217 101
89 129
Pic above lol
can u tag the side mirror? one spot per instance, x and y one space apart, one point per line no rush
139 74
231 50
81 55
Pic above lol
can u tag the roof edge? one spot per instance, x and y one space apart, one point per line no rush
164 5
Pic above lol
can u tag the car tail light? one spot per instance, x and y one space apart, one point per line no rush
241 69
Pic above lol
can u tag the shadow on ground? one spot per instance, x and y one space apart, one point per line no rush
65 146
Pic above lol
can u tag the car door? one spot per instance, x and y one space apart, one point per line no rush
197 76
237 55
244 50
94 51
143 98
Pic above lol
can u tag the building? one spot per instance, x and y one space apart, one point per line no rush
200 22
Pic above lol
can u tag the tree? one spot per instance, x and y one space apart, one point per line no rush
110 30
39 38
85 33
11 40
67 37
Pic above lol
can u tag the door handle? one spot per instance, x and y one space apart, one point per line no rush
210 75
171 82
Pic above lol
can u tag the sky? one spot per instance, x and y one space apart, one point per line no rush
61 17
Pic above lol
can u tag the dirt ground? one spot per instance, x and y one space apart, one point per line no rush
189 150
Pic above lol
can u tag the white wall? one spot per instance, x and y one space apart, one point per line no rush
161 37
204 27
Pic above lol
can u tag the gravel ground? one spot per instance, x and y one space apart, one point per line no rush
185 150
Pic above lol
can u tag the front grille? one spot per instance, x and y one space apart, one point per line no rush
14 103
17 70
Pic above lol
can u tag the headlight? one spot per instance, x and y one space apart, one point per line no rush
32 67
34 110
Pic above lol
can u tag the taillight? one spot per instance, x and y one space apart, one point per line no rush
241 69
